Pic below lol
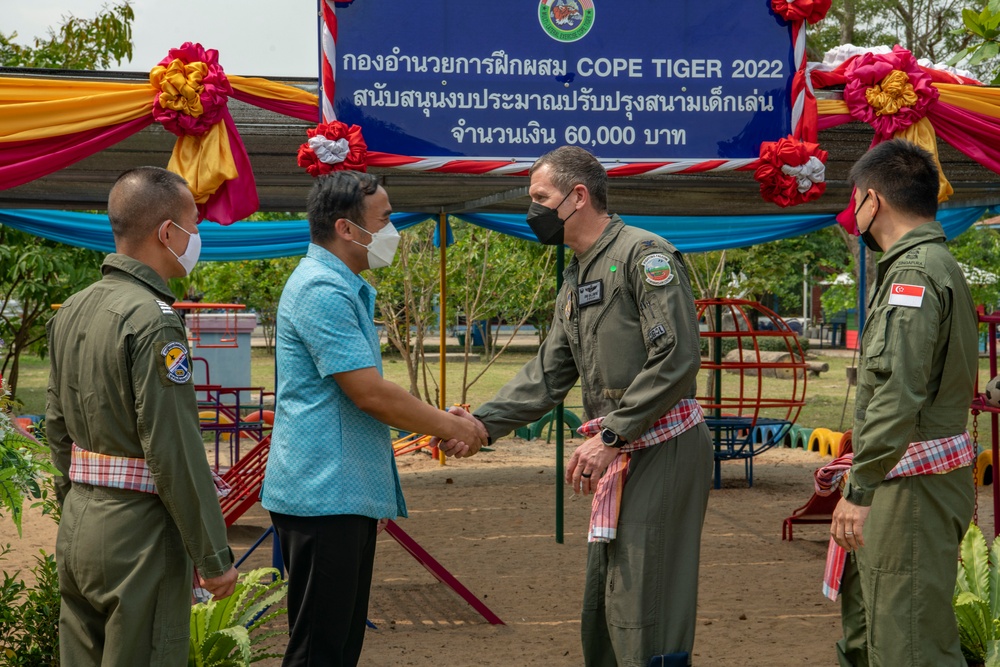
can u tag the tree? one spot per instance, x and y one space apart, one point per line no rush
255 283
982 30
924 27
77 44
978 250
34 275
406 305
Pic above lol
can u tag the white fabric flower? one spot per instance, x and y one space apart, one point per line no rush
813 171
329 151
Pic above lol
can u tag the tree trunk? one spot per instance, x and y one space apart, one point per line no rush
847 23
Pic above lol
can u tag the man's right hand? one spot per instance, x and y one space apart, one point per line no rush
467 437
221 586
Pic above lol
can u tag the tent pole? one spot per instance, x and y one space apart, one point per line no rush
443 244
560 261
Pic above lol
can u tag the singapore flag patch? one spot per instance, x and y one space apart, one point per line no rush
906 295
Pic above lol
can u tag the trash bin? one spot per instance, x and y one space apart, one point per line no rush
222 341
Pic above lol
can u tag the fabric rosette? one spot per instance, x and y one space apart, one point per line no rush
791 172
192 101
810 11
888 91
193 91
331 147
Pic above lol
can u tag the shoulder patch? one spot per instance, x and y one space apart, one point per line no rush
657 270
176 362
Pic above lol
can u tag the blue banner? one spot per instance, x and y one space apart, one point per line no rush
630 81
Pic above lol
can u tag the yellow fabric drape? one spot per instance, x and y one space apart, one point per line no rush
205 162
51 116
831 107
973 98
270 89
922 134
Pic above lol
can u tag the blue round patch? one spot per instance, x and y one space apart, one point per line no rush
176 362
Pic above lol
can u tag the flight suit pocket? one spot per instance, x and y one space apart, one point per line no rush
633 583
878 345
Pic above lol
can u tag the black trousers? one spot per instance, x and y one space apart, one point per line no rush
329 561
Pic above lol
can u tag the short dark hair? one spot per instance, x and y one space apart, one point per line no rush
141 199
340 194
571 166
902 172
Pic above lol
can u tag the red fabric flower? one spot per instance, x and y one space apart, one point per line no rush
801 10
193 90
791 172
333 146
890 92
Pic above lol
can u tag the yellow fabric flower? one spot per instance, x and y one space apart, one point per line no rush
180 86
892 94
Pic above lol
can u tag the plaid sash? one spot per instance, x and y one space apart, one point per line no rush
608 498
121 472
928 457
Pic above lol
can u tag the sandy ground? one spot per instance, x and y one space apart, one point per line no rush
491 521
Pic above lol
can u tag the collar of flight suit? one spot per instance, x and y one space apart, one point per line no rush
606 238
139 272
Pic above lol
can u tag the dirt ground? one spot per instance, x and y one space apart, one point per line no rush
490 520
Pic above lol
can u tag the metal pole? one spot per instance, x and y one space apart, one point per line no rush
560 261
805 299
443 243
717 358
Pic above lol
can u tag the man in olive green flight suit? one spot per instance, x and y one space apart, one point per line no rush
120 385
625 325
915 383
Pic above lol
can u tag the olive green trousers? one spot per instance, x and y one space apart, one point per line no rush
125 581
897 590
641 593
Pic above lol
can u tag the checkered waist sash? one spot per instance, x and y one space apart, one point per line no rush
120 472
927 457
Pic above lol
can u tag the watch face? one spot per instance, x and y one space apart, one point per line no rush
609 438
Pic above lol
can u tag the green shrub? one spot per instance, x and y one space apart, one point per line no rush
977 599
230 632
29 616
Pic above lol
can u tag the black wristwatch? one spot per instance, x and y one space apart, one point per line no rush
611 439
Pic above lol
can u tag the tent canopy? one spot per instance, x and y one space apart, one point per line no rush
272 141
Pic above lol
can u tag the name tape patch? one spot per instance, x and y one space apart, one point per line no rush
589 294
901 294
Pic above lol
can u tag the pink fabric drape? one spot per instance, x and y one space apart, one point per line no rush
235 199
24 161
306 112
973 133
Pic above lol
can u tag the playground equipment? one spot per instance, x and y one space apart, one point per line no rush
749 346
818 509
547 423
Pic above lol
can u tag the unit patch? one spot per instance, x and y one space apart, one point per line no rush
590 293
176 362
656 332
906 295
657 269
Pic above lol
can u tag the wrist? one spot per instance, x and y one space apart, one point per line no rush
611 439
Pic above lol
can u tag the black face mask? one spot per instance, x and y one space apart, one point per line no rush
546 224
866 236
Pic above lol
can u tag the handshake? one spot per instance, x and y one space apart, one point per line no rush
463 435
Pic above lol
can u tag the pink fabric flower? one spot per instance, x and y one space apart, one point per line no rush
791 172
193 90
890 92
332 147
801 10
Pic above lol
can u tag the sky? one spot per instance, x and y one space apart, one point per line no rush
254 37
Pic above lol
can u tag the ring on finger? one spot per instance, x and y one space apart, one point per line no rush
585 474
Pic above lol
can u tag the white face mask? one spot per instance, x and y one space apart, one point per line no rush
382 249
191 253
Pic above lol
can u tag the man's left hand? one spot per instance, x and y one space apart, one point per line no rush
848 523
588 463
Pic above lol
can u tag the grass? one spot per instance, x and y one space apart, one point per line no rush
824 399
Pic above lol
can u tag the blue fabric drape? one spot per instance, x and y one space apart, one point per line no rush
267 240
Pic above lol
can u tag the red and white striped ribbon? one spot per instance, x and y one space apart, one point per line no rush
328 36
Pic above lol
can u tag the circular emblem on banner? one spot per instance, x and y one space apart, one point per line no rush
657 269
566 20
